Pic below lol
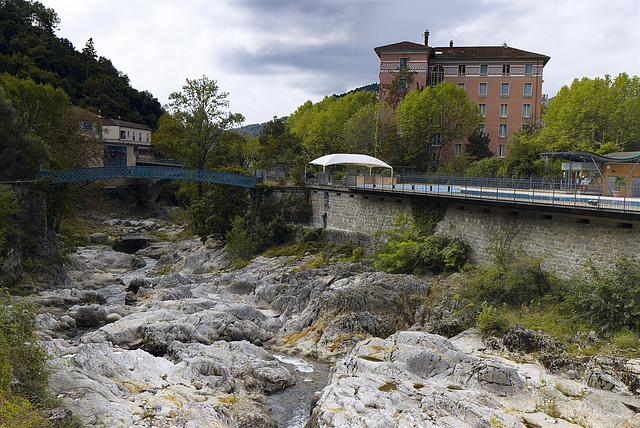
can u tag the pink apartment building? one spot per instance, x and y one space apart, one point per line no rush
505 82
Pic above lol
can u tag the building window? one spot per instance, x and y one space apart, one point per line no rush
481 128
502 130
483 109
527 90
461 85
457 149
404 63
462 69
504 110
402 85
437 75
123 135
526 110
437 139
482 90
504 90
502 150
506 69
526 126
139 136
115 156
528 69
484 69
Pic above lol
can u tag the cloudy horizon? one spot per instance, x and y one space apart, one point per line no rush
271 56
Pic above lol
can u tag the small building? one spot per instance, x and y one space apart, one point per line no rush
505 82
613 174
125 142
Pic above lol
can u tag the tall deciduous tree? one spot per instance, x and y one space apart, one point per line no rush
320 126
434 117
197 122
599 115
34 109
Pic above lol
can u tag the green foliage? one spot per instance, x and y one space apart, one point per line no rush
524 159
238 242
30 49
593 113
489 320
27 111
427 215
7 210
198 123
434 117
409 251
212 215
24 359
478 145
279 146
512 277
491 167
16 412
609 298
322 127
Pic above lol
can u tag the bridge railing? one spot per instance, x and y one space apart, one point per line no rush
549 192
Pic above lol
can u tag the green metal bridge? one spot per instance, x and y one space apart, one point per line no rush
150 173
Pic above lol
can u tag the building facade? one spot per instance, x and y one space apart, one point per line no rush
125 142
506 83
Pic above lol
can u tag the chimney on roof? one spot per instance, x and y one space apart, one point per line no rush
426 37
450 45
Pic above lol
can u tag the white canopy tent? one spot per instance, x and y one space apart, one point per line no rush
345 158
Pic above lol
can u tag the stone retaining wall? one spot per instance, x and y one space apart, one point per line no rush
356 218
565 241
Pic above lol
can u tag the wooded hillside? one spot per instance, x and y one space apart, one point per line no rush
30 49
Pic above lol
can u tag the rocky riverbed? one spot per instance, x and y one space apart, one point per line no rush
172 337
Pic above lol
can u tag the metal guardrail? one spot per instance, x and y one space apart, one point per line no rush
542 192
150 172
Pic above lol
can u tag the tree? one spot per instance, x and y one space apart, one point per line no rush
358 134
524 159
277 144
320 126
90 49
478 145
34 108
434 117
197 122
598 115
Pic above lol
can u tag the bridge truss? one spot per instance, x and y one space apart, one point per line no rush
150 173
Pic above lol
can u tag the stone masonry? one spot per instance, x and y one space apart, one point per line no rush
565 241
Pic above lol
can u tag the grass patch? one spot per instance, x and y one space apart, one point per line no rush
389 386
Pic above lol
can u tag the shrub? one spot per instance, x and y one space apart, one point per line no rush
609 298
238 242
489 320
416 254
512 276
22 362
16 412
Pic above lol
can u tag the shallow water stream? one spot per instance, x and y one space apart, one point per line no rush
292 406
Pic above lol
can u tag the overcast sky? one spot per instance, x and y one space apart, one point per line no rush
273 55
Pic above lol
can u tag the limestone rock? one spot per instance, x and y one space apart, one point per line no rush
416 379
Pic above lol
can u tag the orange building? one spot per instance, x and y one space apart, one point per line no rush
505 82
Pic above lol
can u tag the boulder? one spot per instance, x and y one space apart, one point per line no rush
416 379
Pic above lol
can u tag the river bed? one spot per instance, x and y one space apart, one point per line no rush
291 407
